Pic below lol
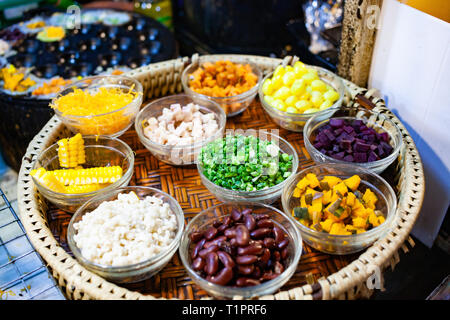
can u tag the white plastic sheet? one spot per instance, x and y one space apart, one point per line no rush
411 68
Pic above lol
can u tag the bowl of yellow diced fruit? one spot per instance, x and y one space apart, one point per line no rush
291 95
340 208
77 168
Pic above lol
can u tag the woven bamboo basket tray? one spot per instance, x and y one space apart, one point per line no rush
318 275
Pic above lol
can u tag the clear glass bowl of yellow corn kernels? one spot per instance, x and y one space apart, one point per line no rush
291 95
101 151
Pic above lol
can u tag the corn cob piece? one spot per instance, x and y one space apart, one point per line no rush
88 176
71 151
85 187
47 179
37 173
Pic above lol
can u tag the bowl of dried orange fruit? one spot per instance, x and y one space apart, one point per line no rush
231 84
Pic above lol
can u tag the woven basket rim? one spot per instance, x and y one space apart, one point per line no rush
163 78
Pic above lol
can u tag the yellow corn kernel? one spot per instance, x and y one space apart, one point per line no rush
37 173
71 151
88 176
85 188
47 179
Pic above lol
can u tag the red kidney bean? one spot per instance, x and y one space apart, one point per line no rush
212 263
259 216
276 255
254 248
217 241
222 277
260 233
236 215
198 264
283 243
265 256
202 253
230 233
197 248
268 275
247 259
249 222
269 243
242 235
278 267
244 243
210 233
226 259
265 223
246 282
246 269
284 253
196 236
225 246
226 220
256 272
260 241
221 228
278 233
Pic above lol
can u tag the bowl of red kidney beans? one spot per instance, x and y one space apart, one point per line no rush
246 250
355 135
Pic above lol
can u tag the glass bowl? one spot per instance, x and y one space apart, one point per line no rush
138 271
178 155
297 121
111 124
268 195
344 244
100 152
372 119
233 105
207 217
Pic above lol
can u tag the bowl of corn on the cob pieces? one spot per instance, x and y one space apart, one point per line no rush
75 169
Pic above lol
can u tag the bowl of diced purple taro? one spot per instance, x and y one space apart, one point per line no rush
353 135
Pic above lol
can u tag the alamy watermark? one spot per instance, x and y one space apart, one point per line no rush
73 17
373 13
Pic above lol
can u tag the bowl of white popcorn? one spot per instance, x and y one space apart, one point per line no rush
175 128
127 235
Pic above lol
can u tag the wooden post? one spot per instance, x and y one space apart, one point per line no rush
359 27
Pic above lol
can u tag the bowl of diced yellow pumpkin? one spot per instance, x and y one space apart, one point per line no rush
340 208
291 95
77 168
